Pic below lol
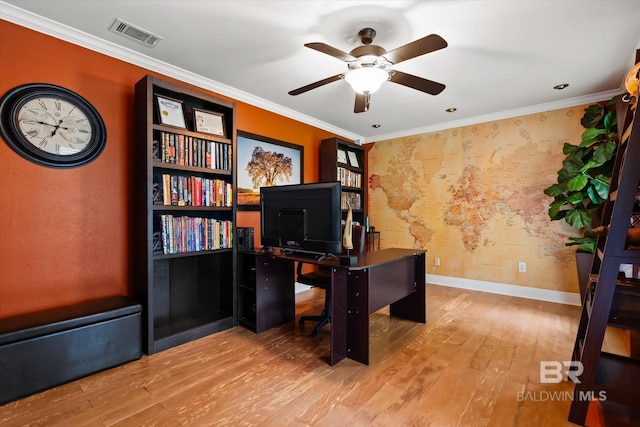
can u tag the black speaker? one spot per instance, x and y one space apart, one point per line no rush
245 238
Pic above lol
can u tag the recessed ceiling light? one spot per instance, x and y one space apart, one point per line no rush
376 126
561 86
451 110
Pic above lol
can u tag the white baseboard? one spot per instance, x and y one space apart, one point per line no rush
299 287
560 297
548 295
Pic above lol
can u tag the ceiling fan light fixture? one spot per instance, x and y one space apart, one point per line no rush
366 79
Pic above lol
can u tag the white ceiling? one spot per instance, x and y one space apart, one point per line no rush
503 57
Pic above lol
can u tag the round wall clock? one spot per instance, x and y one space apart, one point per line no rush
51 126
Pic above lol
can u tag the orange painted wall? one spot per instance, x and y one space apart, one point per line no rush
64 234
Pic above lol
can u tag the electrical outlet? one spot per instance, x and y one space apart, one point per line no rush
522 267
436 262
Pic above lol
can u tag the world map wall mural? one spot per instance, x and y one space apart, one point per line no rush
473 197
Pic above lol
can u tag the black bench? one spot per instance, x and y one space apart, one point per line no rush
51 347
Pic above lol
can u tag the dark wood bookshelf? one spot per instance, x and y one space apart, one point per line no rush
352 176
188 294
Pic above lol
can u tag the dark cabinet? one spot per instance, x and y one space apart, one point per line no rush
266 297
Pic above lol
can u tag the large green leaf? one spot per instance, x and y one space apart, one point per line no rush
590 135
593 195
575 197
569 148
571 167
604 152
610 120
555 190
601 187
578 218
604 178
585 244
591 164
554 210
592 116
577 183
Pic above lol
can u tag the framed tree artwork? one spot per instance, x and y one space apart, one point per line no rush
265 162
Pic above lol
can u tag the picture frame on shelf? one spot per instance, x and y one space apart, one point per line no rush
353 159
253 171
342 156
170 112
208 122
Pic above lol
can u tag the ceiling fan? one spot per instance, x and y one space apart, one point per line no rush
369 66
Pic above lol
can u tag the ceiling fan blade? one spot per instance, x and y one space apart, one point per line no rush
331 51
319 83
415 82
362 103
419 47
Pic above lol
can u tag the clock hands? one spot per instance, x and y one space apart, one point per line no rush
40 123
59 126
56 127
66 128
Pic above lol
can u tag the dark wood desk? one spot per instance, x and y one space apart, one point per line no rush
394 277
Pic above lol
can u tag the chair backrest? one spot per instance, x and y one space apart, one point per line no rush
320 276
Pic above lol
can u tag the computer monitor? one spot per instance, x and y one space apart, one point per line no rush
302 217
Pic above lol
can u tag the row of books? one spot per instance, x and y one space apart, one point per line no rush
349 178
178 234
179 190
353 199
186 150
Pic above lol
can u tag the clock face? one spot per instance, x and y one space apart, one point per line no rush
54 126
51 126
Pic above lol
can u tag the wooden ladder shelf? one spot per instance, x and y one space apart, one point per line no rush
611 300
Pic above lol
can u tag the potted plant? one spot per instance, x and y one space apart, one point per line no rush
584 179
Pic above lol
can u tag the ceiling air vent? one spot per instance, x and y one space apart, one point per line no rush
134 33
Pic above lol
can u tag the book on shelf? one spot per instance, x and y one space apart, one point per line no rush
174 190
353 199
180 234
181 190
349 178
186 150
166 190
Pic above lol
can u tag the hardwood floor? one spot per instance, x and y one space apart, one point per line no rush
474 363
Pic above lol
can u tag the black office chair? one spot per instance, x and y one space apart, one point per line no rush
321 278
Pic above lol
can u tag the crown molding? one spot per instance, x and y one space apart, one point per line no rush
524 111
11 13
